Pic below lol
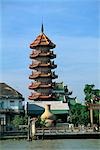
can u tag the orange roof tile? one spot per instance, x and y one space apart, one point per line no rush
42 40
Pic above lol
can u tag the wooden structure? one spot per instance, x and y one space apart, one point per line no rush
94 106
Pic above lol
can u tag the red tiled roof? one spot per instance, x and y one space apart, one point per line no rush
42 40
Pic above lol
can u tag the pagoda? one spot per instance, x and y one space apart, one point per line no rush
42 66
44 90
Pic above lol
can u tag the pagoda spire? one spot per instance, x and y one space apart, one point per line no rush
42 28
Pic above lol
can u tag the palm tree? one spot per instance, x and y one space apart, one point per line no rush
89 92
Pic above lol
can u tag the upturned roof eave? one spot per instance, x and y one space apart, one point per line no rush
37 45
38 40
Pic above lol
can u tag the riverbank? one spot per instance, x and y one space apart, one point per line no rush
50 134
69 136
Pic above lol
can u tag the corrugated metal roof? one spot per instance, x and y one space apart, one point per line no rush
34 109
59 111
55 105
8 92
37 108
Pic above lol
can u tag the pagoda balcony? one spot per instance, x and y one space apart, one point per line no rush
39 85
45 96
34 75
45 74
34 65
39 74
45 54
53 84
36 53
54 76
53 66
52 55
35 96
34 85
40 64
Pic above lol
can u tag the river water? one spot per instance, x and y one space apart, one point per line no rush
62 144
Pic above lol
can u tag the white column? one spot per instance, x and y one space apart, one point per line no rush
91 114
33 127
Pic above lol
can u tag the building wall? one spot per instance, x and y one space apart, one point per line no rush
15 104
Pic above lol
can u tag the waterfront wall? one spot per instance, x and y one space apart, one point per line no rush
52 133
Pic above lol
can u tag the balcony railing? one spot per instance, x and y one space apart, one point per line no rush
9 110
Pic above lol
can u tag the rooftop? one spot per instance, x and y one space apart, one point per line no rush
8 92
55 105
42 40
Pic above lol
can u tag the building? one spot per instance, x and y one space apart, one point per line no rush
59 92
11 103
44 90
42 65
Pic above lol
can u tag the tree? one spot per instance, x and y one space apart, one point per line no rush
88 90
40 123
79 114
91 93
19 120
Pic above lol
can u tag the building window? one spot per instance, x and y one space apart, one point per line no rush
1 105
1 121
12 103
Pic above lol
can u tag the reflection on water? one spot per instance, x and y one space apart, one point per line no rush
63 144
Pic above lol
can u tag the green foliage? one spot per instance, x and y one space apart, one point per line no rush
96 92
19 120
79 114
25 120
40 123
88 90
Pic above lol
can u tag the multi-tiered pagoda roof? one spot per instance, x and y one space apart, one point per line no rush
42 40
41 67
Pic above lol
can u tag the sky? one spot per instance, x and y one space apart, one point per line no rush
73 25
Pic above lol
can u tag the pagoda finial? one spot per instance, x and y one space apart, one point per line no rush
42 28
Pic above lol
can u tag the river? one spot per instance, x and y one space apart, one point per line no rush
63 144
